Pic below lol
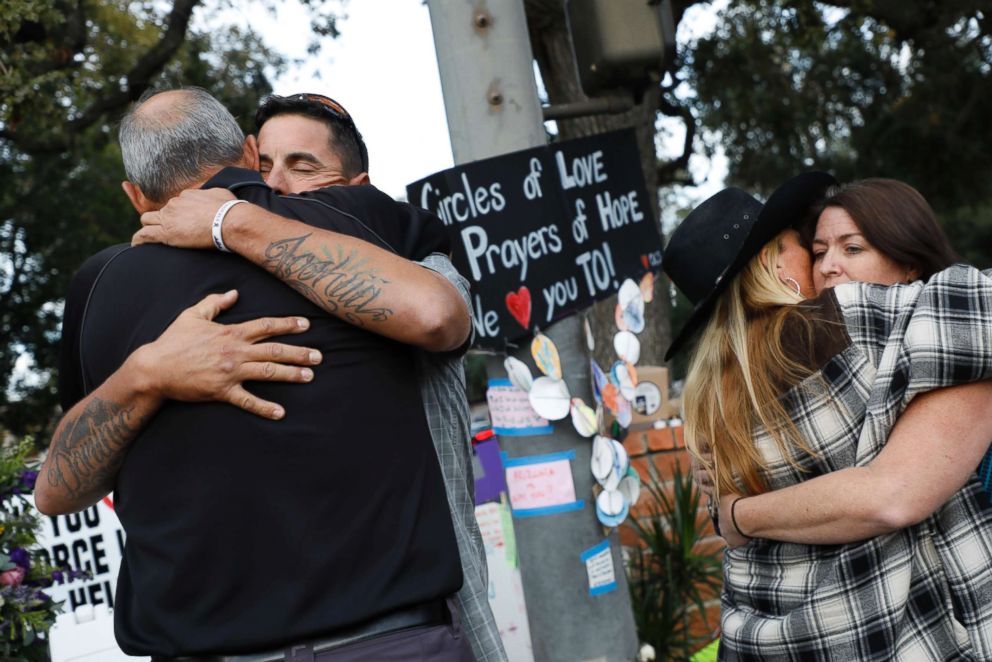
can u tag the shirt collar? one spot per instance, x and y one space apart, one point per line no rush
232 178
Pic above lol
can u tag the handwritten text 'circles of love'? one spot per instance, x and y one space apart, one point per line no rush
474 201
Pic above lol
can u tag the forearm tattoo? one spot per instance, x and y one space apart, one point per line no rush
91 447
342 284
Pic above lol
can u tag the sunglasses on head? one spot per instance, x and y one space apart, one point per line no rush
332 106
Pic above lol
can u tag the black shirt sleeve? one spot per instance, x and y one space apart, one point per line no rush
361 211
409 231
72 384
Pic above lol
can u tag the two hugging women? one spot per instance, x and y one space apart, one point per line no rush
837 405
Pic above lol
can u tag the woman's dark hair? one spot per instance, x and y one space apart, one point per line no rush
895 218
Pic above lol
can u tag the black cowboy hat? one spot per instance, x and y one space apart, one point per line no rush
722 234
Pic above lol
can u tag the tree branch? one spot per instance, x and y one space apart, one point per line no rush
137 79
670 171
15 278
140 75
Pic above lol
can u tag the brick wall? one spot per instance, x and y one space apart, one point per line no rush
655 454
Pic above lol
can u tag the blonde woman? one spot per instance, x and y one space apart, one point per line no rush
788 390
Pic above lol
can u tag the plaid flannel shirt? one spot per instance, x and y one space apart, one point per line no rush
921 593
442 387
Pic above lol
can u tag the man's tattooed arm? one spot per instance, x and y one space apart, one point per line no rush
92 439
339 280
194 360
351 278
84 458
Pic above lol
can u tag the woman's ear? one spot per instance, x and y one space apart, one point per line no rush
763 256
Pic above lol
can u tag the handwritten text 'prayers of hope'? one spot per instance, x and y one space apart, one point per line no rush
545 232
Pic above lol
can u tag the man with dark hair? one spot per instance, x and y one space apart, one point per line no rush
306 142
247 536
346 140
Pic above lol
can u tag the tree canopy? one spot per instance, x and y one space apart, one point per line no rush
68 70
861 88
897 88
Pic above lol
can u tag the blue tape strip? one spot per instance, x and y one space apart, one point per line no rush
536 459
500 381
593 551
605 588
550 510
524 432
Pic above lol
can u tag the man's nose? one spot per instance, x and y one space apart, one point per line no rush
277 181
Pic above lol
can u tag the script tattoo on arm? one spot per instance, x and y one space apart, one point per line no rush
88 453
340 282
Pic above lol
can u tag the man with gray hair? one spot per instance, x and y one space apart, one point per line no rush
307 142
245 536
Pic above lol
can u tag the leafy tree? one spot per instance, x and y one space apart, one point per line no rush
861 88
68 70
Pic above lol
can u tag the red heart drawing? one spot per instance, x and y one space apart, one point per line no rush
518 303
644 261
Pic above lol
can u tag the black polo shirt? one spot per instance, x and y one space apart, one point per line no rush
244 533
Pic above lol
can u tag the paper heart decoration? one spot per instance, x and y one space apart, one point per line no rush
518 303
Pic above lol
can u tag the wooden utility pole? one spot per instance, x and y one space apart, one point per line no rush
490 95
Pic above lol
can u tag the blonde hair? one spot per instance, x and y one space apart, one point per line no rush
737 374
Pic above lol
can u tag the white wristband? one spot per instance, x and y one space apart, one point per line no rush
215 230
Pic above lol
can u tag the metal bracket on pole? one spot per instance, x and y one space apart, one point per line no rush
605 106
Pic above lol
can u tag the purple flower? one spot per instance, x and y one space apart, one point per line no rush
21 558
78 574
57 576
28 478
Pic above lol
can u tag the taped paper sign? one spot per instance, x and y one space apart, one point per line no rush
541 484
506 593
511 413
599 568
497 531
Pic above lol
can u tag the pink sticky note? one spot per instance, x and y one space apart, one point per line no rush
540 485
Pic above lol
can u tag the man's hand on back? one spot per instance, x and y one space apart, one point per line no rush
198 360
195 359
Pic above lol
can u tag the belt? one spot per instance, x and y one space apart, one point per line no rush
426 613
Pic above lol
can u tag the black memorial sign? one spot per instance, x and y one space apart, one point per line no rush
545 232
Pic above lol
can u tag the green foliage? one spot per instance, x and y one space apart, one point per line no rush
475 377
26 611
667 577
68 70
867 88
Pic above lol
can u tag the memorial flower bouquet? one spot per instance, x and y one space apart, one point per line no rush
26 611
